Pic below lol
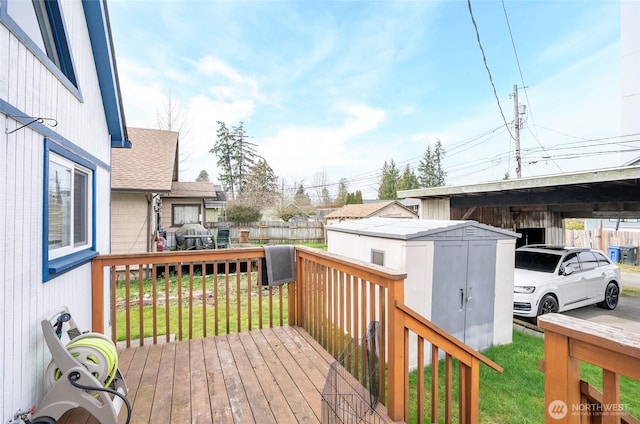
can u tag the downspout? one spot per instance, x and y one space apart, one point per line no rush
149 197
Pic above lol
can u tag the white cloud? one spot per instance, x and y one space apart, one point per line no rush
298 152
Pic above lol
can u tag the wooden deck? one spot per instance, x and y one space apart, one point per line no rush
272 375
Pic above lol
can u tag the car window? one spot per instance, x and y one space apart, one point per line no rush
602 259
587 260
536 261
571 262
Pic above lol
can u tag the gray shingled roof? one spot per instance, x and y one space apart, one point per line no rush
199 189
149 164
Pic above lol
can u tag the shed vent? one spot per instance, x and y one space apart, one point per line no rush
470 231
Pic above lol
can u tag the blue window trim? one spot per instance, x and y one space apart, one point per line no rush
67 75
52 268
60 35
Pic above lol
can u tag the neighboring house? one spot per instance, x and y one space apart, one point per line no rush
196 202
411 204
60 114
139 177
383 209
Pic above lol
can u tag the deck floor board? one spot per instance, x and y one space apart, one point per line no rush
273 375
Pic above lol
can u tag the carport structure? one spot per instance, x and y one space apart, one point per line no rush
536 206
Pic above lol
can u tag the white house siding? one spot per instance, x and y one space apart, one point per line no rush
129 220
30 87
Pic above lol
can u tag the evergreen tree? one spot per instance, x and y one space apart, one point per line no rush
439 153
341 199
326 196
301 198
245 156
225 149
430 171
389 182
261 187
358 197
203 176
408 180
236 155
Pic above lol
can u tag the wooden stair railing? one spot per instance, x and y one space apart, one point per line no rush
338 296
567 342
469 361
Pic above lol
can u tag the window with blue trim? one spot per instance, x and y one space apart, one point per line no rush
69 213
39 23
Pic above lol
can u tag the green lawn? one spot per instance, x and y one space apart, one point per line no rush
238 306
517 394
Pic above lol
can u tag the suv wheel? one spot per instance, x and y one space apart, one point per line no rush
548 304
611 295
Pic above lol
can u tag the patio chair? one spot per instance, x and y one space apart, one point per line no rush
222 239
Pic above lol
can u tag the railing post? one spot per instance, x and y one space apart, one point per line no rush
610 394
97 296
469 389
561 380
299 290
396 344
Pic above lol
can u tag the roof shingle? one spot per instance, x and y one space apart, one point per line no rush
199 189
149 165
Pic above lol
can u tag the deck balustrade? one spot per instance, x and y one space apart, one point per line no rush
569 341
159 297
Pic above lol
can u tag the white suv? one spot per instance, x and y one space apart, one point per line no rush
555 279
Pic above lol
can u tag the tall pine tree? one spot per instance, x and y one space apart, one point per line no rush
430 170
389 182
236 155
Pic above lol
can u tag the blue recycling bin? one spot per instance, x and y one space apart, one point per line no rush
614 253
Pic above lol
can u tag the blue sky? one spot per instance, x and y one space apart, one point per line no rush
331 90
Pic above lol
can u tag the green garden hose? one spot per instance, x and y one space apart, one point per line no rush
95 352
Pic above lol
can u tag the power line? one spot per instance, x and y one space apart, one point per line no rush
484 59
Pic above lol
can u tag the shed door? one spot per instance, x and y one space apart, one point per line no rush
464 290
481 289
449 286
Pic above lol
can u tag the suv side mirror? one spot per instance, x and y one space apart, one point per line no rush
566 270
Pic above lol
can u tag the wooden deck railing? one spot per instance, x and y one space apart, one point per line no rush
469 360
567 342
191 294
198 293
338 297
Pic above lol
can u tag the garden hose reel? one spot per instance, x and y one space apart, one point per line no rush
92 350
82 373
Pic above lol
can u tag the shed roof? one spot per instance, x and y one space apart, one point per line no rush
199 189
149 164
363 210
409 229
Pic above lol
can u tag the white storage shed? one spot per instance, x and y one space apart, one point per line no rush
459 273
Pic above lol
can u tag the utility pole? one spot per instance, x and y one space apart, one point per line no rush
516 127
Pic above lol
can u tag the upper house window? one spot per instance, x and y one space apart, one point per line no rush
39 23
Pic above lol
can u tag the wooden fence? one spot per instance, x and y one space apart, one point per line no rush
602 239
272 232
